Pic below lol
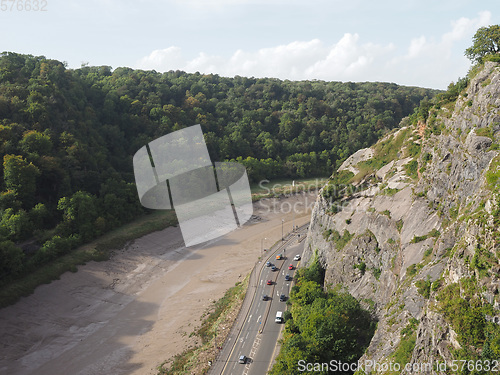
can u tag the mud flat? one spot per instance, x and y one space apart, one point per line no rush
130 313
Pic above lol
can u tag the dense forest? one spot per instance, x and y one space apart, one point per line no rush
68 137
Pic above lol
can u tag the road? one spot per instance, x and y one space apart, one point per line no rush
258 336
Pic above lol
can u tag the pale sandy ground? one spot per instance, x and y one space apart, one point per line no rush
129 314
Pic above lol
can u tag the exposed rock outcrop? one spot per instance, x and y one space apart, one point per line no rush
414 225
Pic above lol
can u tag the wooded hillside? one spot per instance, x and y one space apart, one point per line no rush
68 137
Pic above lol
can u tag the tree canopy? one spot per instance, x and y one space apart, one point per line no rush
486 42
322 326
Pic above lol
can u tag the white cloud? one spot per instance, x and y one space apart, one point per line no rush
417 46
431 61
463 27
163 59
296 60
438 60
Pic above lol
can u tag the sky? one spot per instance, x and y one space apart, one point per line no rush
412 42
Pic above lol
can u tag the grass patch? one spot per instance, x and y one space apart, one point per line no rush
413 149
417 239
403 352
385 151
433 233
361 266
207 329
411 169
386 213
390 191
485 132
424 288
341 241
454 212
338 185
399 225
463 309
482 260
178 363
493 173
411 270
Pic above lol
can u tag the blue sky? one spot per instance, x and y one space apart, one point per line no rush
418 43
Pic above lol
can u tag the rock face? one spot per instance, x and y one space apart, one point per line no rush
412 225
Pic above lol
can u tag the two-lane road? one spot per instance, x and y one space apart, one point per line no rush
259 334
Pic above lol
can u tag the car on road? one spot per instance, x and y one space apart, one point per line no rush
269 282
242 359
288 277
279 257
279 317
274 268
265 297
282 298
290 267
269 264
297 257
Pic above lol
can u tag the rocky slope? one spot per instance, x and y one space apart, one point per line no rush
410 227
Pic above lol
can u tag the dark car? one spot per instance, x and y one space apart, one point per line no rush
265 297
288 277
282 298
274 268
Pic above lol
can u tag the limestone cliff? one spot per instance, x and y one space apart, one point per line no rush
410 227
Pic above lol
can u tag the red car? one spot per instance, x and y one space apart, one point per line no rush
269 282
290 267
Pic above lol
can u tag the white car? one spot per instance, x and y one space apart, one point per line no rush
297 257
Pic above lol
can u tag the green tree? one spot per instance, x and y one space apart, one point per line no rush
486 42
79 213
36 142
306 292
12 260
17 225
39 215
20 176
